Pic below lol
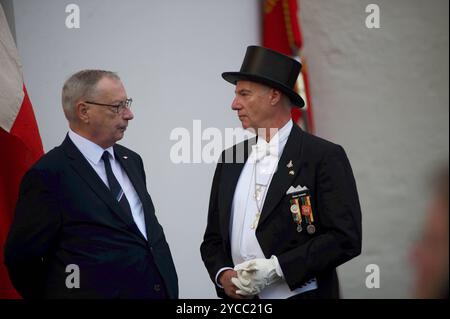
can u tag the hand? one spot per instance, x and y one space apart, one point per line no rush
254 275
225 280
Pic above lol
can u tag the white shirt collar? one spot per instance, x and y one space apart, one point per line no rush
280 138
89 149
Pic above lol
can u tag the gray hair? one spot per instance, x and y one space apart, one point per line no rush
81 85
286 101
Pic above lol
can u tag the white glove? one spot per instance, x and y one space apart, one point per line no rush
254 275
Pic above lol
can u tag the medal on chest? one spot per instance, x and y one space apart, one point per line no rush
301 209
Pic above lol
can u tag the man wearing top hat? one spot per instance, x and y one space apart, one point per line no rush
282 219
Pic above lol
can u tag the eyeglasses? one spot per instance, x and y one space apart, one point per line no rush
119 108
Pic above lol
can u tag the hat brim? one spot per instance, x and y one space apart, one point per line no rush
233 77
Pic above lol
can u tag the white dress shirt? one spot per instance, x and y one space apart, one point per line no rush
93 154
247 206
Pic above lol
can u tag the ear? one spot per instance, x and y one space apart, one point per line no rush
82 112
274 97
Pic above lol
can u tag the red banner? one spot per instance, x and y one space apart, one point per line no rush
20 142
281 32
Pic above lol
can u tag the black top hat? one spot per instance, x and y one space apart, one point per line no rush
270 68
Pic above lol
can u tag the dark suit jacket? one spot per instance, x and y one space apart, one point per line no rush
67 215
321 166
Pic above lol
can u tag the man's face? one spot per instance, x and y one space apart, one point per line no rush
252 104
105 124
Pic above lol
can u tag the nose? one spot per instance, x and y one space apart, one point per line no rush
127 114
235 104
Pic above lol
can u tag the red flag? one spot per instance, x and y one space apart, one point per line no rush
20 141
281 32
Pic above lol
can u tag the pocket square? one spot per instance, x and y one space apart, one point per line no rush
297 189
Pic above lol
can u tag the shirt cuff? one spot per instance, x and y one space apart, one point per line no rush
218 273
278 267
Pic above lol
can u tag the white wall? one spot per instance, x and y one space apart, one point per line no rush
381 93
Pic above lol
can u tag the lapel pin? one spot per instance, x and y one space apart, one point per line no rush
125 157
291 172
290 165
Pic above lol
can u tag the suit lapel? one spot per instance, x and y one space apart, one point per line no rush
138 185
282 179
88 174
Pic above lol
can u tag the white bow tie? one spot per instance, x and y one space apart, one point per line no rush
260 151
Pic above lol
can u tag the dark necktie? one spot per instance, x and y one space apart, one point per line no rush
115 187
154 284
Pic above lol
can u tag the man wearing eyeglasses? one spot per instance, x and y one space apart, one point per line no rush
85 225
